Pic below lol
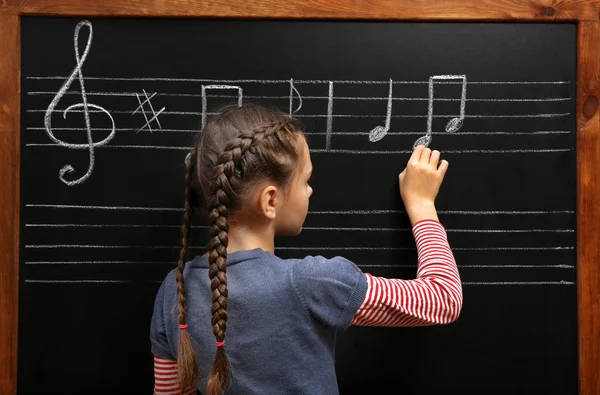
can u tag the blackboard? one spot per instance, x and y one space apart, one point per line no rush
581 15
95 248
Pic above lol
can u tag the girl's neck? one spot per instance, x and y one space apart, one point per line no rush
246 238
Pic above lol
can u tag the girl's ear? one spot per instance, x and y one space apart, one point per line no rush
268 201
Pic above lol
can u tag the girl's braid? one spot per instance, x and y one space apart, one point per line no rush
228 171
186 357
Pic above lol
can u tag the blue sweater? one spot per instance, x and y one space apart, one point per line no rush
283 316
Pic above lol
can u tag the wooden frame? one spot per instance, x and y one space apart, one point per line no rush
586 13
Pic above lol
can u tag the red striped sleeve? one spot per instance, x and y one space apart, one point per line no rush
434 297
165 378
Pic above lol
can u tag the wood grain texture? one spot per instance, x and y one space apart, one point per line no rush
491 10
10 99
588 200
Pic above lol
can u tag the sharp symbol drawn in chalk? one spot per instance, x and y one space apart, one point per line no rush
154 114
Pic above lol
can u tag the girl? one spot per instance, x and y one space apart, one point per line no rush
251 167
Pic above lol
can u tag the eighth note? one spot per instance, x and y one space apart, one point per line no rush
379 132
455 123
84 104
240 95
292 91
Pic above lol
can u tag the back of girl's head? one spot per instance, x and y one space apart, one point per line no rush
247 144
237 148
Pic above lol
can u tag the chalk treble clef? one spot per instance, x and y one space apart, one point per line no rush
84 104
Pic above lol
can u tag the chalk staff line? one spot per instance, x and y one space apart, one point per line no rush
296 81
318 212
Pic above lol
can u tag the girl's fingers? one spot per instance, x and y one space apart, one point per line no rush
434 159
425 155
443 168
416 154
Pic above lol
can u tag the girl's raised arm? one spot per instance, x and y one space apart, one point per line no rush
435 296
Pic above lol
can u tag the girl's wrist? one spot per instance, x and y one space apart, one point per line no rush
422 211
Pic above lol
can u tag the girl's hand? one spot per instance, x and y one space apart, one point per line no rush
420 182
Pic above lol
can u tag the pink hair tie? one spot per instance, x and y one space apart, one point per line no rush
183 326
220 344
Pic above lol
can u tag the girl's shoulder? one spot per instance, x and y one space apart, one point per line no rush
319 266
330 289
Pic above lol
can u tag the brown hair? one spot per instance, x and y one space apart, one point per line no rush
238 147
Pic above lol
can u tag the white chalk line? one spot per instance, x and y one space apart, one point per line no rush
75 206
474 151
106 226
465 133
559 266
448 230
549 115
319 212
98 246
355 248
461 212
540 132
276 97
259 81
339 151
329 116
317 228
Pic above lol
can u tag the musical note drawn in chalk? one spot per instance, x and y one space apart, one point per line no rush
154 114
84 104
292 91
379 132
329 130
455 123
206 87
